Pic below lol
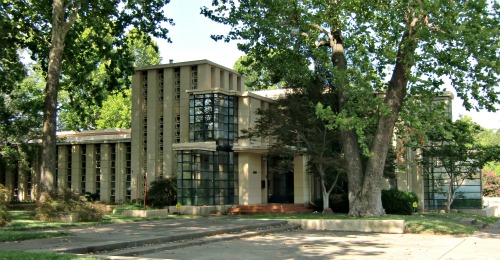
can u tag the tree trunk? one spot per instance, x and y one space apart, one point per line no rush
365 185
60 28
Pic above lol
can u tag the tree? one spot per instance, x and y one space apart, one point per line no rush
116 111
399 48
21 119
452 156
113 108
490 138
295 130
70 39
256 77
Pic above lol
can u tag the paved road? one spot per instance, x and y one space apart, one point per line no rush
336 245
300 244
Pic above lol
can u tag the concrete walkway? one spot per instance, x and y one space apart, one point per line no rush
296 244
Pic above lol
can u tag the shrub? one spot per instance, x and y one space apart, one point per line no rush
162 192
491 184
55 204
4 197
398 202
339 203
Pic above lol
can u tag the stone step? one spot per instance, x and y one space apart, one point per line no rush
154 248
270 209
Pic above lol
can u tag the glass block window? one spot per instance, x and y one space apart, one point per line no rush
207 178
83 167
68 158
213 117
194 77
98 169
113 173
128 172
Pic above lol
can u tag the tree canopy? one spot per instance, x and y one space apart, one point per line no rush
403 49
71 40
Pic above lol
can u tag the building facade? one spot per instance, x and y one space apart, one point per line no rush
186 119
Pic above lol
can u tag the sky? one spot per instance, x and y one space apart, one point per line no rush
191 41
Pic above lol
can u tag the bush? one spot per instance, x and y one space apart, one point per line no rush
55 204
491 184
163 192
398 202
339 203
4 197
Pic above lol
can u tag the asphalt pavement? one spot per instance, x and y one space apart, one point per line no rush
261 244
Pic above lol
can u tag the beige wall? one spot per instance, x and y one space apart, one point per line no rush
250 177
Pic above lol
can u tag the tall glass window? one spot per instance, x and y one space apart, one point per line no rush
207 178
213 117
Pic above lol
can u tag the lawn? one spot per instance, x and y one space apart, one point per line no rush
435 223
24 227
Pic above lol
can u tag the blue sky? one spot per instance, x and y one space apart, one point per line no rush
191 41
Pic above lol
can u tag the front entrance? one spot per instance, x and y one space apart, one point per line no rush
280 180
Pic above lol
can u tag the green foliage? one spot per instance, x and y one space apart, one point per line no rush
162 192
116 111
490 138
256 77
101 48
7 254
399 202
55 204
491 184
8 236
4 215
362 48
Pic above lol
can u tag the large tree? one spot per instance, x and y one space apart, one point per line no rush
66 36
382 54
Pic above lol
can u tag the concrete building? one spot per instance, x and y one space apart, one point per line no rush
186 118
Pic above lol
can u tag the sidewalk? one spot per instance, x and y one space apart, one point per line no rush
298 244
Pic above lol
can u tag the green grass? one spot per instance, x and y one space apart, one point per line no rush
435 223
41 256
24 226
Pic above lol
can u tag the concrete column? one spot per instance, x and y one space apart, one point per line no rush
137 129
249 178
244 118
105 172
9 182
301 189
76 168
120 178
224 79
204 76
90 169
22 184
62 167
184 103
152 127
216 81
169 124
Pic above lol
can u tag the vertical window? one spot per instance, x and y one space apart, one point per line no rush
207 178
128 172
194 77
213 117
83 167
113 173
98 169
69 157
